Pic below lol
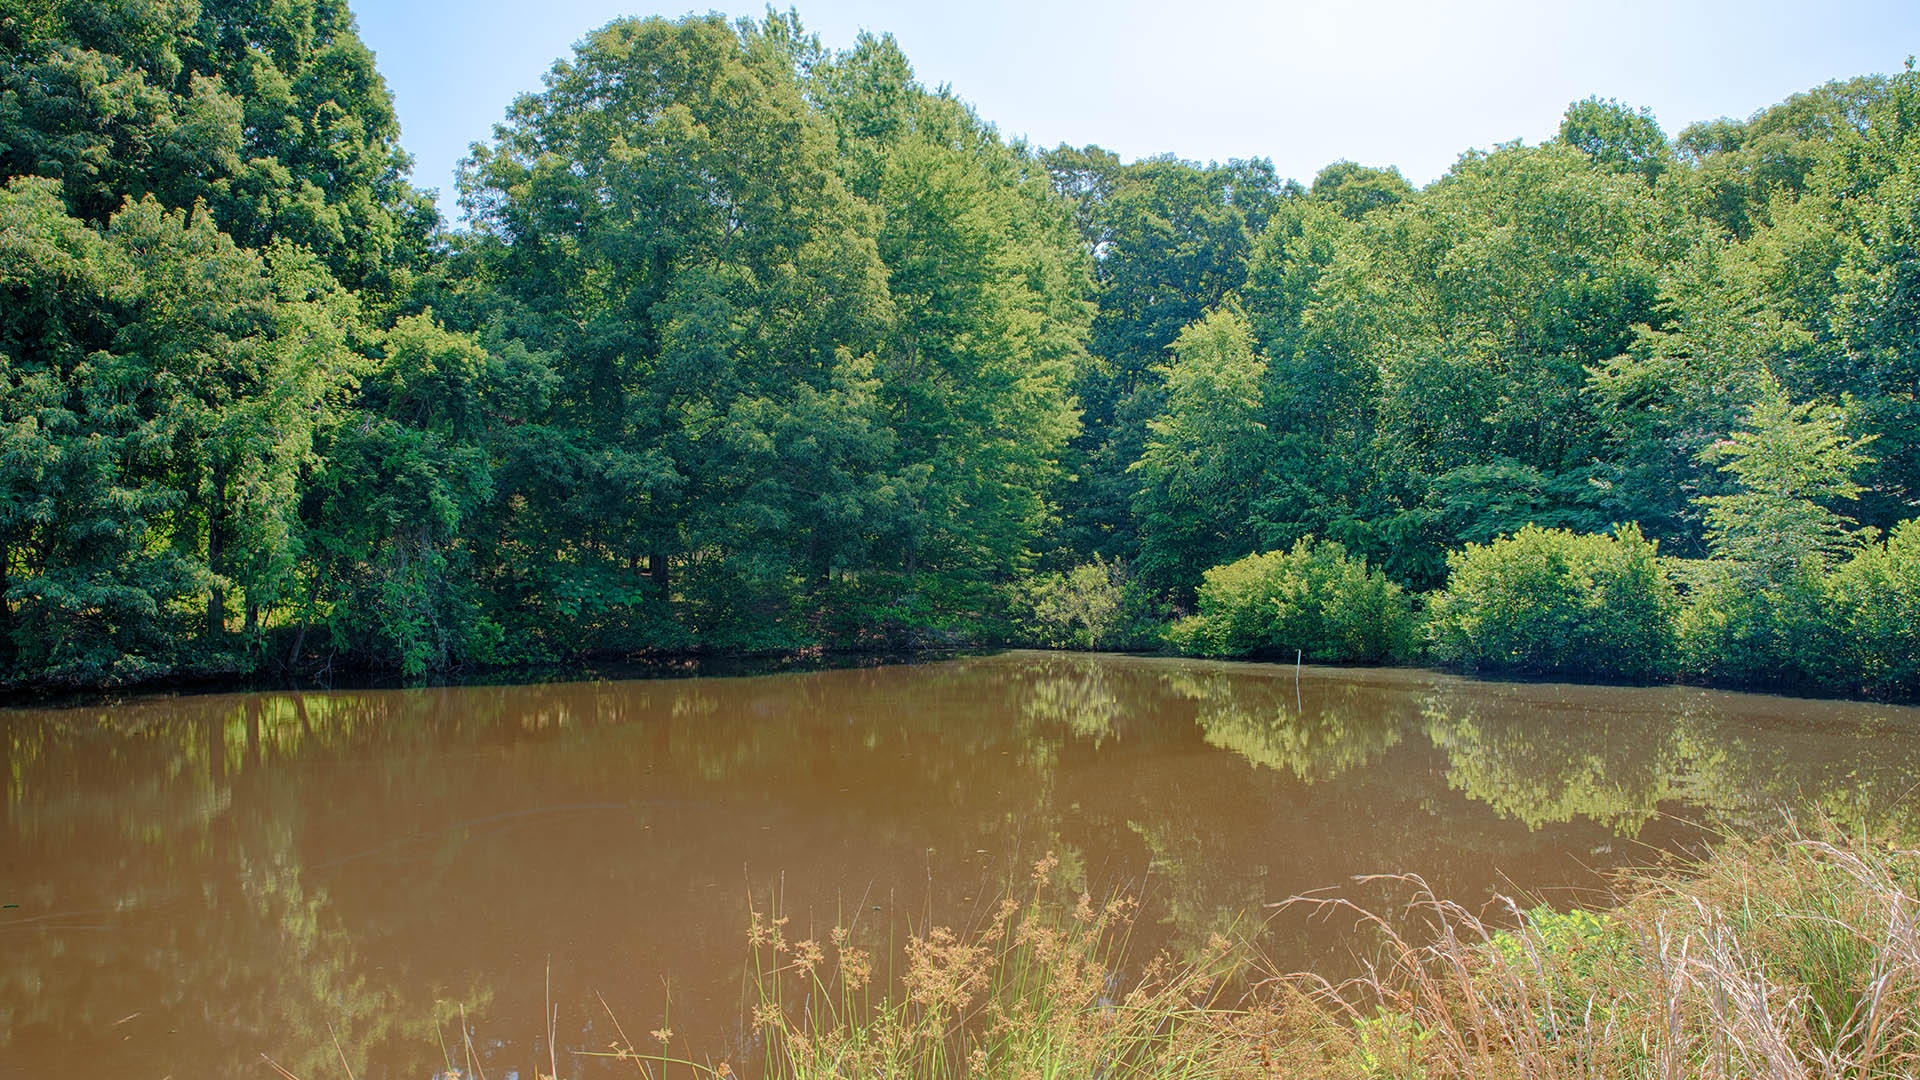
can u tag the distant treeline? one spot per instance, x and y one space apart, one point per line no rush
750 345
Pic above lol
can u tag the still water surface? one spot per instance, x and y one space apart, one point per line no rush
192 883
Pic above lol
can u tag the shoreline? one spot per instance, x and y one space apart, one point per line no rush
698 663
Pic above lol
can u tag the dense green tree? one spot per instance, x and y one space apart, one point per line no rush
1526 268
1760 611
1205 455
1356 190
668 221
272 114
1742 165
86 593
1549 600
1173 242
1483 305
1875 309
754 345
1169 241
1617 137
164 387
1312 600
1682 388
987 287
1322 391
399 490
1877 597
1790 464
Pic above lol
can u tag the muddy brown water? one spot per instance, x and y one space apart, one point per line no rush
390 880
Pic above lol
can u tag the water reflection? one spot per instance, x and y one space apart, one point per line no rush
198 881
158 898
1544 754
1272 724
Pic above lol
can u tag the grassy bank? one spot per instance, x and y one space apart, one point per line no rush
1785 956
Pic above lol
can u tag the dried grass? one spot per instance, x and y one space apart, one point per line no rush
1788 957
1792 956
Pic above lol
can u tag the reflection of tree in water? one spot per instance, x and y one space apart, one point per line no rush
1544 754
182 901
1191 893
260 842
1543 759
1339 727
1078 695
1856 764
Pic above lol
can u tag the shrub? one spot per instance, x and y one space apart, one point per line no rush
1553 601
1876 597
1096 605
1745 627
1313 598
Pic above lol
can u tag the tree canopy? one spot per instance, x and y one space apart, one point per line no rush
750 344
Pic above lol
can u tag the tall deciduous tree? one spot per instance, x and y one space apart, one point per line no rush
272 114
990 318
1790 463
667 220
1616 137
1205 456
172 397
1170 240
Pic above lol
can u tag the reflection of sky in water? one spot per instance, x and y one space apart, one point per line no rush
203 880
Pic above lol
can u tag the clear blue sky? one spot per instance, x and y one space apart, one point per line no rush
1400 82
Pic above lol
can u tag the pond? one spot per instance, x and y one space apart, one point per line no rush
372 878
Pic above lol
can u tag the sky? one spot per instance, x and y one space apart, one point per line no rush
1302 82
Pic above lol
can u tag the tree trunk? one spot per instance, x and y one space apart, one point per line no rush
7 651
657 570
216 556
306 620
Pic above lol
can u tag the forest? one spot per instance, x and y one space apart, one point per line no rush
750 346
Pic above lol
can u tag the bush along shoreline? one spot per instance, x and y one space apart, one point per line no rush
1541 603
1791 595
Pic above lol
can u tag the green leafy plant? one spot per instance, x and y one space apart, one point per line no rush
1314 599
1553 601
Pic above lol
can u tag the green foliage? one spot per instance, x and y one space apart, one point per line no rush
1745 628
989 322
1848 629
1617 137
1496 291
1313 599
1761 612
1553 601
1680 389
271 114
166 386
1092 606
1788 463
757 346
1741 166
1876 595
1356 190
1168 242
1201 468
1571 947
